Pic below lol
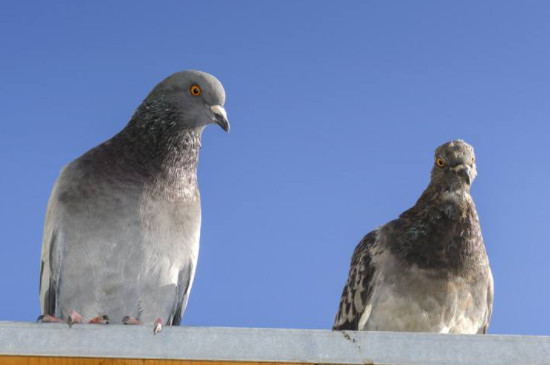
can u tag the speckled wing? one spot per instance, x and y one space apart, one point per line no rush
357 293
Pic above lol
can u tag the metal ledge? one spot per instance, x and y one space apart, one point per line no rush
269 345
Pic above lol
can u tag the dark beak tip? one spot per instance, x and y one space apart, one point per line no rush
466 176
224 123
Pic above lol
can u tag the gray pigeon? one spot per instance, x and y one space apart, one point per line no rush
121 236
426 271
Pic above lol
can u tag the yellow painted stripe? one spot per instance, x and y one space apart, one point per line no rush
53 360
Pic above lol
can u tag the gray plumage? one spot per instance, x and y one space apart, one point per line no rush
122 227
428 270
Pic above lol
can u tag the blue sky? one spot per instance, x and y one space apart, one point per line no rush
335 110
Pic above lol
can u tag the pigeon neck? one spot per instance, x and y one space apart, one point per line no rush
439 196
434 189
177 159
161 147
444 212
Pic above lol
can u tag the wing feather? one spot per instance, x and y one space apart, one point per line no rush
185 280
50 265
490 296
357 293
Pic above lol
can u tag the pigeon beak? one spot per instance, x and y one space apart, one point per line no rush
220 117
466 172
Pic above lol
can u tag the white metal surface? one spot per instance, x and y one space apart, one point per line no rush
276 345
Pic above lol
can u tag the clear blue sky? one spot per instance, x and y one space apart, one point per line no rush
335 111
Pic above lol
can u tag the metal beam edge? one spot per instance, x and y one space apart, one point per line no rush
270 345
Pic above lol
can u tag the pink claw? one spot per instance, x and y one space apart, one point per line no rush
46 318
99 320
157 327
130 320
74 317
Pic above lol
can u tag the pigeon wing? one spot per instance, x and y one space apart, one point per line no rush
50 265
357 293
185 280
490 296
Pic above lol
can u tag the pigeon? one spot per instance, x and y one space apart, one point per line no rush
122 227
428 270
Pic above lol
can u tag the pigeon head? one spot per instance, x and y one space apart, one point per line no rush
454 165
197 98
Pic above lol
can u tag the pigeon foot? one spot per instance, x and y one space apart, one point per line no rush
46 318
74 317
157 327
104 319
130 320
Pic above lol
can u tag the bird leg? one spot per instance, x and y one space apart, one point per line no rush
130 320
74 317
157 327
104 319
46 318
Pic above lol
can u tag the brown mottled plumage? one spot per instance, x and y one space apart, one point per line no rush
428 270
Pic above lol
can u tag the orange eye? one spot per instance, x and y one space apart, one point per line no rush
473 159
440 162
195 90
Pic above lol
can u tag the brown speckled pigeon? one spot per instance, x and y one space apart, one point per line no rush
426 271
